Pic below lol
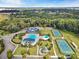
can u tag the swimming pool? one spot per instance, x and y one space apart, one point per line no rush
56 33
64 47
45 37
32 38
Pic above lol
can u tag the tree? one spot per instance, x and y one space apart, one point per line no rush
2 47
73 56
62 57
23 53
9 54
28 52
46 57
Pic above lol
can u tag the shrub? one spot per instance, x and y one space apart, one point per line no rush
9 54
46 57
2 47
23 53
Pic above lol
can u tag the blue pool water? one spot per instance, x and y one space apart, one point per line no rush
31 37
46 36
56 33
64 47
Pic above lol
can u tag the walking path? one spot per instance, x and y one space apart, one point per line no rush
54 48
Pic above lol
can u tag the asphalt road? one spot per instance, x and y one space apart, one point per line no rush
8 45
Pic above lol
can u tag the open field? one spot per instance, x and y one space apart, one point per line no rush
3 17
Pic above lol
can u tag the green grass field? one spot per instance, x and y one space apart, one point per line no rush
33 50
19 49
17 38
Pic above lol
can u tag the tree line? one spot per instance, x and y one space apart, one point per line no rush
21 20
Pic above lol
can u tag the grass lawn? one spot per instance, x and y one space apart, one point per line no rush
33 50
51 52
16 40
19 50
45 31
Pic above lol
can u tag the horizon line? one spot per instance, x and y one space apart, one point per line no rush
39 7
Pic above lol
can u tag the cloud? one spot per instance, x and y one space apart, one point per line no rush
11 3
39 3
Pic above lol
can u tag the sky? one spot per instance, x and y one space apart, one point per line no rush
39 3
